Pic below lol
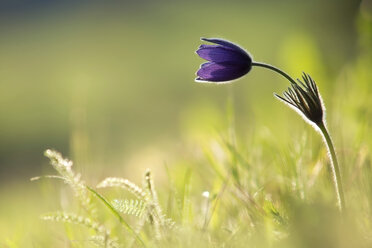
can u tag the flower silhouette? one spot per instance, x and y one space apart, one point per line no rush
227 61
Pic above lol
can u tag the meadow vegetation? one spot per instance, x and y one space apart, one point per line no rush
243 171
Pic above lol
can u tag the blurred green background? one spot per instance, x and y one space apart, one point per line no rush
110 84
111 78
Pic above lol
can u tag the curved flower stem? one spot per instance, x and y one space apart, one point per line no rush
273 68
337 181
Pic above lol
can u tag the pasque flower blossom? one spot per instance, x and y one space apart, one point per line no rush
227 61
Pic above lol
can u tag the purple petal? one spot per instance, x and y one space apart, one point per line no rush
225 43
221 72
217 53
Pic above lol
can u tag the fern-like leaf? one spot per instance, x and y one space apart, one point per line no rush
102 241
131 207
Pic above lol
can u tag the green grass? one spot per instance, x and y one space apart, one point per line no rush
266 172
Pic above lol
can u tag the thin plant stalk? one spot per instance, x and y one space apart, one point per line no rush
337 181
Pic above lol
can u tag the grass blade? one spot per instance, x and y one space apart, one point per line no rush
117 214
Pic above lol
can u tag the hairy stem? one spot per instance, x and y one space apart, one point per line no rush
337 181
273 68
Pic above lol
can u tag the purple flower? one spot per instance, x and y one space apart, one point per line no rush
227 61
